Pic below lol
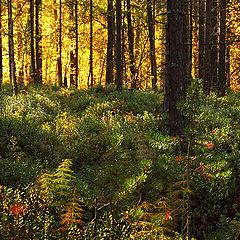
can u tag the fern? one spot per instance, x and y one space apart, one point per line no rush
58 186
73 215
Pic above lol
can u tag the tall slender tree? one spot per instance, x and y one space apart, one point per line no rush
1 48
175 66
211 51
12 66
188 38
91 44
76 42
32 45
207 80
151 32
201 38
221 86
214 44
110 43
60 82
131 45
119 68
38 4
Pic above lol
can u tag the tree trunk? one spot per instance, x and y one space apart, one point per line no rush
12 66
227 60
207 83
151 32
175 67
214 44
32 47
131 45
1 50
110 44
201 39
91 44
60 46
38 4
188 39
119 80
211 52
221 86
76 48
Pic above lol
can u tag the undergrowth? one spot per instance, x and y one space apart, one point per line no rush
99 164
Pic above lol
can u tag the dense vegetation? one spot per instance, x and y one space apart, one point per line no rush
99 164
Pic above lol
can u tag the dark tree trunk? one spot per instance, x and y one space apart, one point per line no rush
1 51
110 44
207 83
175 67
221 86
131 45
211 51
124 69
188 39
32 47
151 32
91 44
38 45
201 39
60 82
12 66
214 44
227 61
119 80
72 65
76 49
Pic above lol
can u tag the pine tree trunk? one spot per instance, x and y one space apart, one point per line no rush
38 4
201 38
110 44
12 66
60 82
91 44
222 50
211 51
214 44
131 45
76 43
1 50
207 83
32 46
151 32
119 80
175 66
188 38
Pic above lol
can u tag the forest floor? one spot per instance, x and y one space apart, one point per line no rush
100 164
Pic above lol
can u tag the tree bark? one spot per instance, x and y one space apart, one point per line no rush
175 66
12 66
91 44
188 39
151 32
60 82
221 86
32 47
38 4
76 42
1 50
211 52
131 45
119 78
110 44
201 39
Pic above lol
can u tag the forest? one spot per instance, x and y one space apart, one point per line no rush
120 119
